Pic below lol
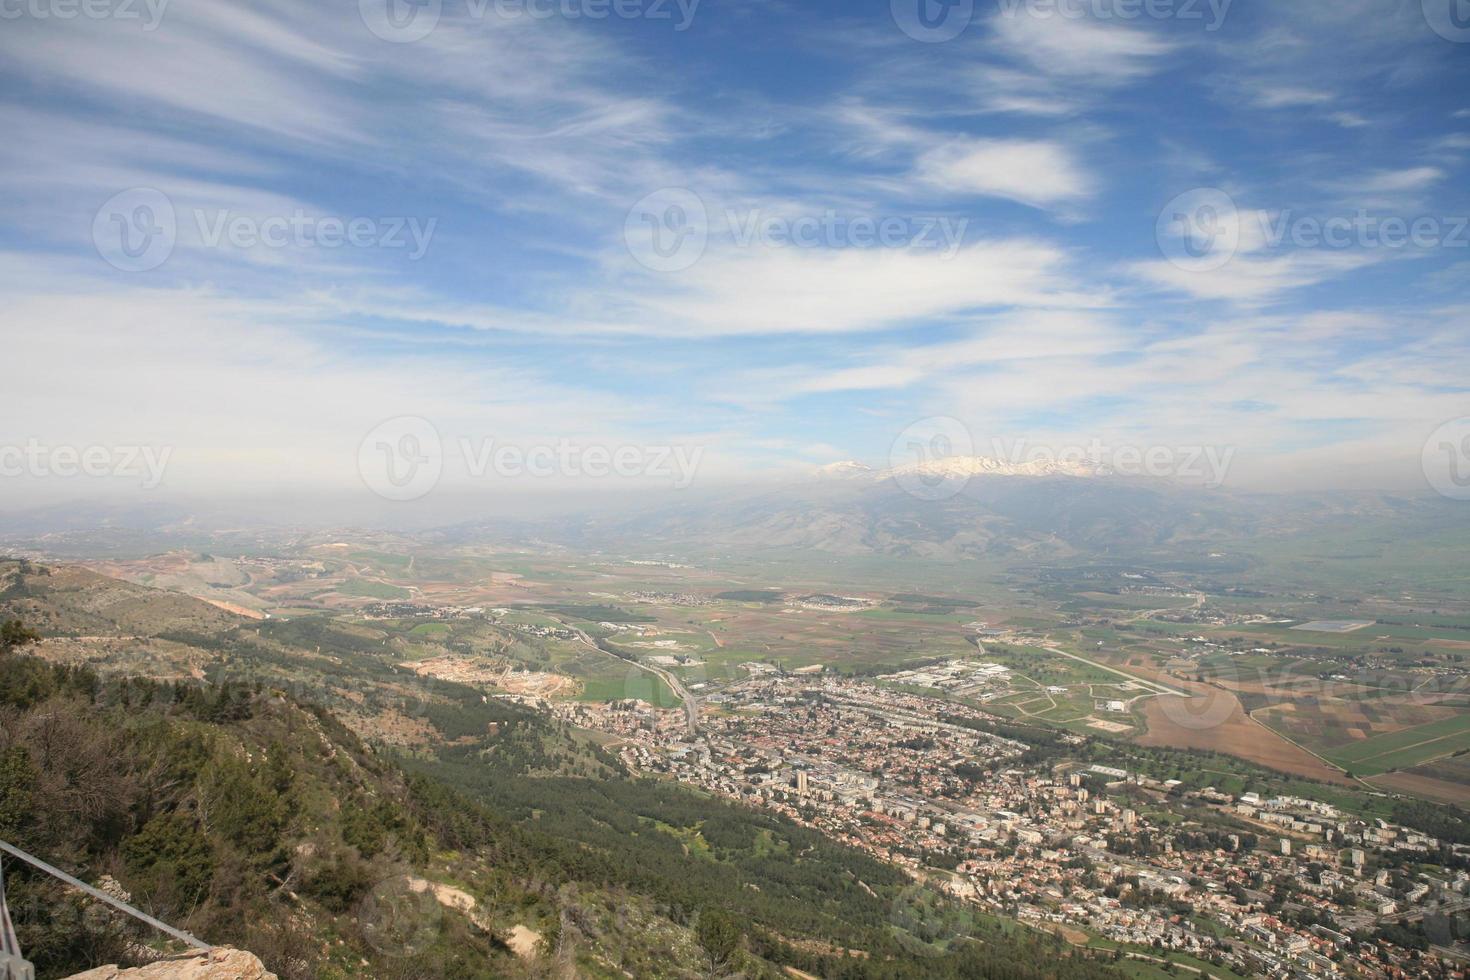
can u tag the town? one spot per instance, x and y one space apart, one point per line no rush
1279 886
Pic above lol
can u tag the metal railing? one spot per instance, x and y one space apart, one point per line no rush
14 967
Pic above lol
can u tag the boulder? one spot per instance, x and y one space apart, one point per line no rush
220 963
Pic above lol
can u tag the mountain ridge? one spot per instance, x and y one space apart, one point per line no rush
949 467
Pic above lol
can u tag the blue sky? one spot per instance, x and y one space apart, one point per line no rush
1032 282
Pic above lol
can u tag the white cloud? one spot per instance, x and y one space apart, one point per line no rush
285 359
218 61
245 397
763 290
1061 65
1008 340
1008 90
1396 181
1267 96
1254 278
1040 173
1079 48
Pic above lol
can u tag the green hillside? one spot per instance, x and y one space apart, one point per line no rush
253 820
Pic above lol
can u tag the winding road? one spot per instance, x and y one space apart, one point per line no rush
691 703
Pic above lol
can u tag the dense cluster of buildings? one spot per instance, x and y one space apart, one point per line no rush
963 677
1278 886
669 598
403 609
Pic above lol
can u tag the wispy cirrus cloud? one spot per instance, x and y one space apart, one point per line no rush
1047 139
1080 48
1039 173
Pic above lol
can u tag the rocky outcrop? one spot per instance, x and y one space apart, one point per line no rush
216 964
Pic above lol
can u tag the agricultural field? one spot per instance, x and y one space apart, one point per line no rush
1336 727
1407 748
1162 657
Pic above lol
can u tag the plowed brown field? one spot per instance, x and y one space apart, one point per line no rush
1213 719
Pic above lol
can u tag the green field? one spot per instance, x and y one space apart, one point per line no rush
1405 749
398 563
373 590
640 686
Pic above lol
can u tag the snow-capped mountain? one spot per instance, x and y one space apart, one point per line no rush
847 469
968 466
951 467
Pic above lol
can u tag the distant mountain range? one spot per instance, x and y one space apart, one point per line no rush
960 467
976 507
953 508
946 509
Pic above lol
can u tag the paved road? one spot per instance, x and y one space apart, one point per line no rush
691 703
1154 686
1446 908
